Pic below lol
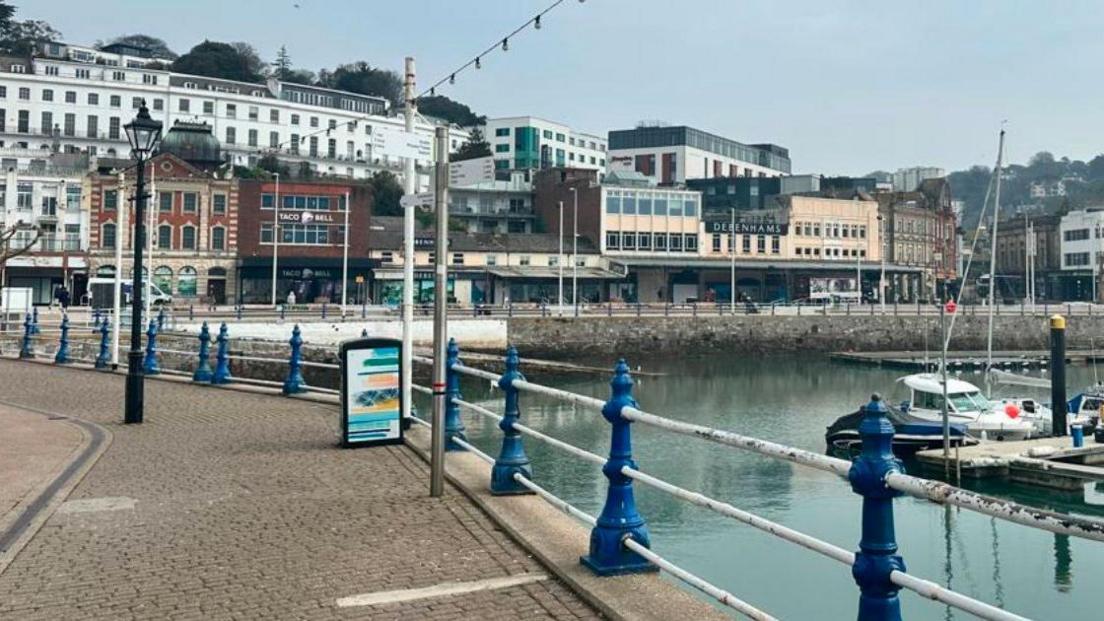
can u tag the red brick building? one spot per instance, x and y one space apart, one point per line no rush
311 240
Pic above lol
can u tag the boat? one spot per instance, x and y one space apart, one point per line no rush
965 406
910 434
1087 408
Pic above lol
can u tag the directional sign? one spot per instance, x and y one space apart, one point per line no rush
398 143
468 172
418 200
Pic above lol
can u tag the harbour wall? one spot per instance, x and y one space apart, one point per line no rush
604 338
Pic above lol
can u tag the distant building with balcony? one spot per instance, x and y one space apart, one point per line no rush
531 143
494 206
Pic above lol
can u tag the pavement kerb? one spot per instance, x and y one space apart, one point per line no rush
31 514
557 541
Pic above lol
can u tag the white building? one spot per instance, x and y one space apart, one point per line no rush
675 154
527 142
76 100
908 179
1082 235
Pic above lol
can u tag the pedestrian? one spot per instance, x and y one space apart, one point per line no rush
291 299
62 296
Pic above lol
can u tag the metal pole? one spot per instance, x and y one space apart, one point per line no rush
559 263
993 257
943 372
409 187
882 280
149 238
345 259
134 378
440 316
120 234
275 236
575 250
732 262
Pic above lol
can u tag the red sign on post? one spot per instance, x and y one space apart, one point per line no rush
951 307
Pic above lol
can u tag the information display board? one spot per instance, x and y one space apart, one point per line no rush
371 393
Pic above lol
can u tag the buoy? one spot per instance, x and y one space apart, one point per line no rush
1012 410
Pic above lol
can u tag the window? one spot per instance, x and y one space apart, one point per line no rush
644 205
457 258
47 122
628 203
660 240
613 202
218 204
492 259
253 113
502 148
25 195
313 146
71 97
92 125
83 74
252 138
208 107
135 102
628 241
675 241
115 101
185 105
47 94
745 246
218 238
295 119
1077 258
162 277
761 244
51 70
187 284
776 244
164 201
560 137
274 140
267 201
113 128
716 242
231 111
690 243
314 121
274 116
118 76
188 237
25 93
149 78
1076 235
110 200
164 237
190 201
547 134
107 239
502 131
389 257
231 135
293 145
70 128
613 241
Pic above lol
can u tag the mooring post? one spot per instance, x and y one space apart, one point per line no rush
294 383
62 355
103 359
1058 375
203 371
877 556
222 358
619 518
454 425
27 348
512 458
149 365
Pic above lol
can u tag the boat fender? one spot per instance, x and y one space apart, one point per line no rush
1011 410
1041 451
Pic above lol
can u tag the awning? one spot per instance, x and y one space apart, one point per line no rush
530 271
762 264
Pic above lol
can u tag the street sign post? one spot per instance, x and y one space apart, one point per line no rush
371 398
468 172
425 199
398 143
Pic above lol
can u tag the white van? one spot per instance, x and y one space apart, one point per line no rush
103 293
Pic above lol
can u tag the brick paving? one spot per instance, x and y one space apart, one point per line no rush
246 509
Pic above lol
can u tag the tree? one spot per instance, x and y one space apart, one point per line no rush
446 109
386 193
7 250
476 146
157 47
21 38
301 76
252 59
282 67
219 60
360 77
273 164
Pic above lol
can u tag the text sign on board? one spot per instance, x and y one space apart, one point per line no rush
467 172
398 143
747 228
371 392
308 217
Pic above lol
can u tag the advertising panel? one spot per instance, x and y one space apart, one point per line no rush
371 394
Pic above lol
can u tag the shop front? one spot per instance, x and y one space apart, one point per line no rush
312 280
44 275
463 286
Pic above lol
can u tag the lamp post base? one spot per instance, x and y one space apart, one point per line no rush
135 389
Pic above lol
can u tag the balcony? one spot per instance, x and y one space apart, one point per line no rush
48 243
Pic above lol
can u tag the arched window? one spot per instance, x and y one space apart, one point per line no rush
162 277
164 237
186 282
188 237
107 236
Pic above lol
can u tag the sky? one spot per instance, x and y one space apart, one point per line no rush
847 86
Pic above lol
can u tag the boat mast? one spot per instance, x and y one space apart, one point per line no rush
993 256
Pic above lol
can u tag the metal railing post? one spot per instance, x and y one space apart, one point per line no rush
149 365
161 319
510 310
191 312
323 310
694 309
454 425
619 519
62 355
203 371
26 350
638 309
239 307
609 308
103 359
283 310
95 320
34 321
222 358
294 383
512 458
877 556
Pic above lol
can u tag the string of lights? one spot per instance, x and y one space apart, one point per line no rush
499 44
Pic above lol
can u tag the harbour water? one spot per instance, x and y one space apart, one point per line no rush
792 400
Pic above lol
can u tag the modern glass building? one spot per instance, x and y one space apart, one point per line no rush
675 154
530 143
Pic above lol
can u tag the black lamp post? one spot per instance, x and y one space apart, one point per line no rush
143 133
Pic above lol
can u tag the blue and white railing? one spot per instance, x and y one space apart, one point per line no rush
619 540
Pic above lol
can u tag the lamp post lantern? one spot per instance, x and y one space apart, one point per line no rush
144 134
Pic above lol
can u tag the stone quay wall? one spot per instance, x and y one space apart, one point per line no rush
560 338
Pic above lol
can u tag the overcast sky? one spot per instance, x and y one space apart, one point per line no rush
848 86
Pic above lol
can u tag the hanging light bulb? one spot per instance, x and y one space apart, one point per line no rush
505 45
478 64
452 79
536 23
432 92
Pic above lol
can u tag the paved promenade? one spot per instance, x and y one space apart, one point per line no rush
229 505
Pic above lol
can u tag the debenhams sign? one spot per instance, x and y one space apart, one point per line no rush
746 228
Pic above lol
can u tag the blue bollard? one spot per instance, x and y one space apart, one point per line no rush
104 358
294 383
512 459
222 358
203 371
149 365
161 320
619 518
876 557
454 425
34 322
95 320
62 355
26 350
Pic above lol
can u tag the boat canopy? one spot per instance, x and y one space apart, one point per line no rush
931 383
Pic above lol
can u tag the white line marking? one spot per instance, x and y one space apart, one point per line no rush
437 590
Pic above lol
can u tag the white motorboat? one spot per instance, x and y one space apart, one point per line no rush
965 406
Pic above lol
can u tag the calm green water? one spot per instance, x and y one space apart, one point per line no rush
791 400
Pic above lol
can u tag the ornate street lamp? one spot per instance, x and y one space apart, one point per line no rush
144 134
